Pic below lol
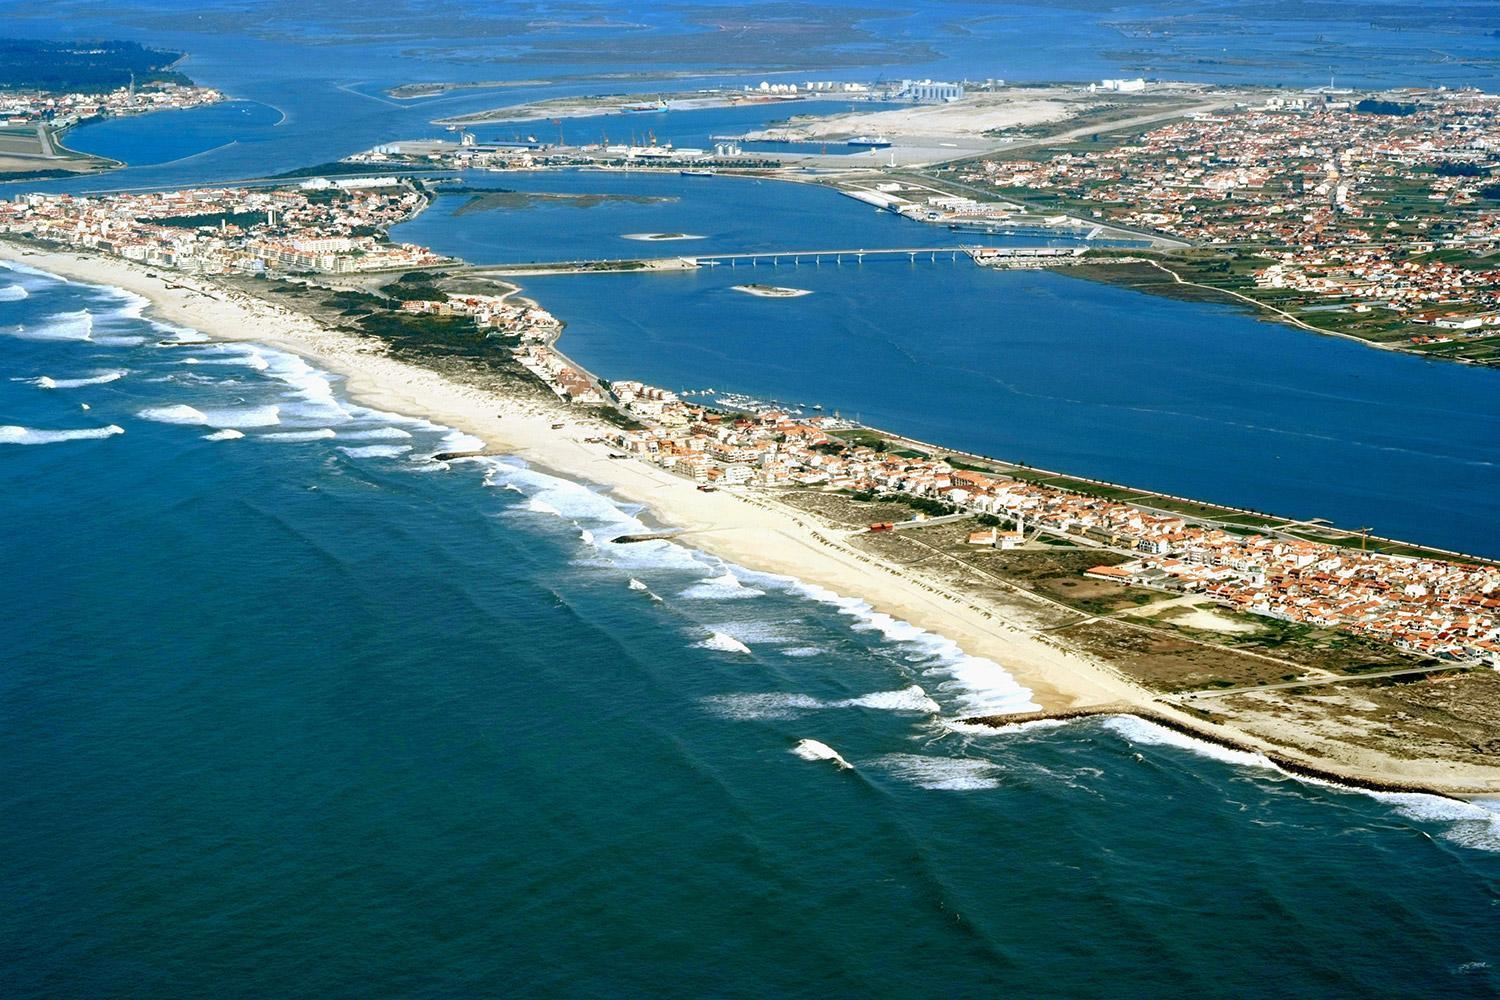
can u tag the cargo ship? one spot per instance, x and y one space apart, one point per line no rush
697 171
869 141
649 108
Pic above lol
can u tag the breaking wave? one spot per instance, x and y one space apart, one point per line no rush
1468 824
943 774
725 586
245 416
321 434
814 750
724 643
74 326
780 705
227 434
13 293
376 434
47 382
377 451
30 435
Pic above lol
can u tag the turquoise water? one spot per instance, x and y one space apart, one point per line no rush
312 716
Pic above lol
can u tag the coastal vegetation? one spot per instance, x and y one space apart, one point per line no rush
31 64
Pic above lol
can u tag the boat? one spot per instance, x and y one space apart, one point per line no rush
697 171
869 141
649 108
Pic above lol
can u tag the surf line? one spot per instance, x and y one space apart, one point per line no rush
1295 768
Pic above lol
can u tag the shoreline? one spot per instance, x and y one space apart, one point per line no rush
742 527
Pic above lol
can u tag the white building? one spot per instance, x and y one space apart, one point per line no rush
1119 86
929 91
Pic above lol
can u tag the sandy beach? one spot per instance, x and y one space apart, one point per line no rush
743 526
739 526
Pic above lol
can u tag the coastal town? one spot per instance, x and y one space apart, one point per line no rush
316 226
322 227
1438 608
64 110
550 499
47 89
1377 216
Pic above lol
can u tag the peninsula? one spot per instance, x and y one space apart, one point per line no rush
1362 662
48 88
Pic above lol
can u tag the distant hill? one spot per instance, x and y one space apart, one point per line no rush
27 64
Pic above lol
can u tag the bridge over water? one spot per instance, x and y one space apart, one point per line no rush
762 258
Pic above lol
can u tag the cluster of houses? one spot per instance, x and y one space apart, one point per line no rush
1430 606
496 313
1346 203
33 107
318 226
568 382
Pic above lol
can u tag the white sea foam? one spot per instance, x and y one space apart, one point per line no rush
975 685
238 355
376 434
34 272
321 434
377 451
13 293
972 685
784 705
239 417
908 699
771 705
803 651
725 586
814 750
181 413
1138 730
975 729
637 585
47 382
724 643
1470 824
30 435
227 434
459 441
1474 824
74 326
944 774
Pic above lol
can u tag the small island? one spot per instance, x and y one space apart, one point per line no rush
660 237
773 291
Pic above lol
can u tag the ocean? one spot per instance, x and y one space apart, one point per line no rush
287 708
294 709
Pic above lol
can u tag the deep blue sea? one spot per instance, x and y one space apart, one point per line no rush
291 709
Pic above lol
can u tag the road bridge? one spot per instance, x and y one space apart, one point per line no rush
766 258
